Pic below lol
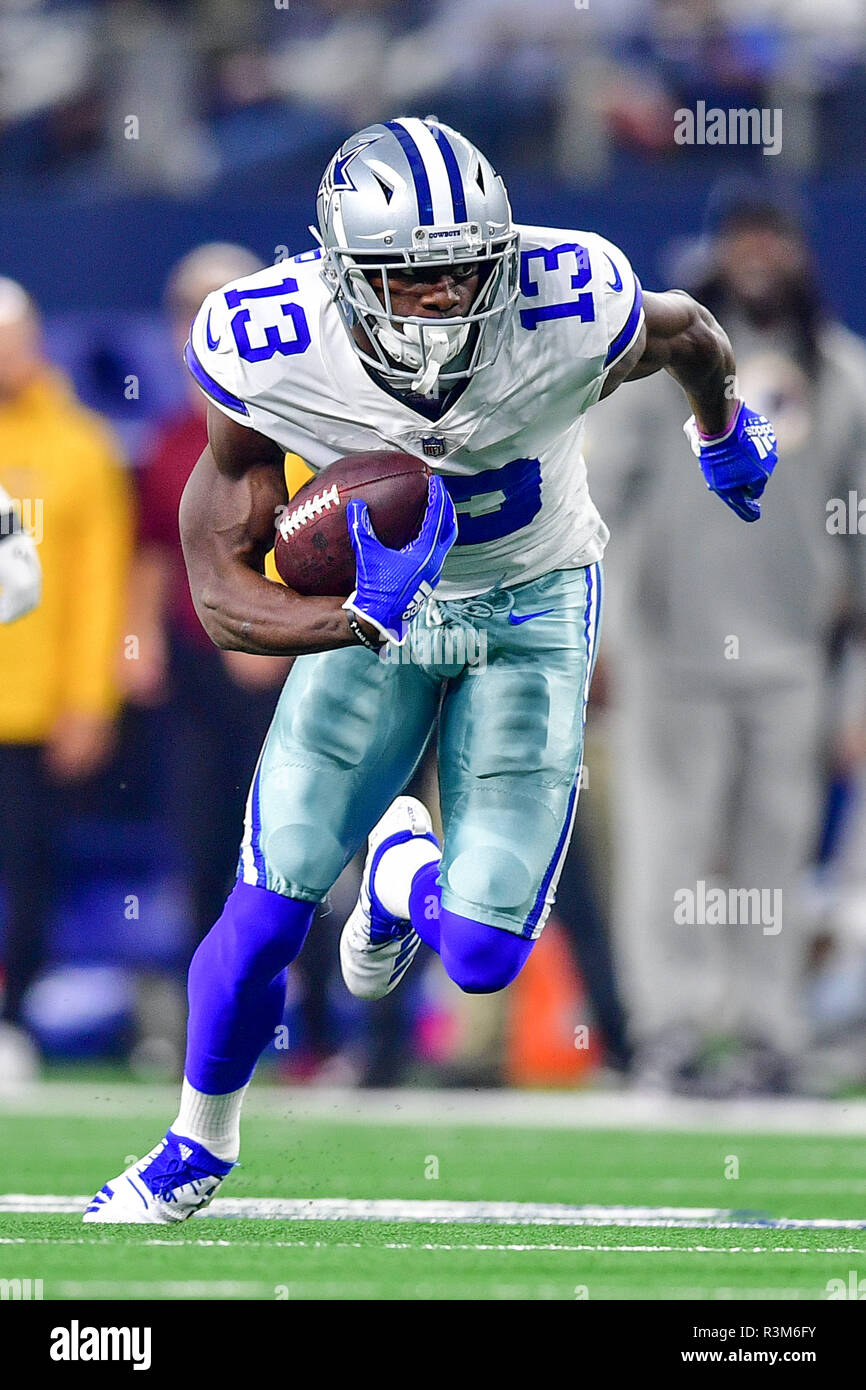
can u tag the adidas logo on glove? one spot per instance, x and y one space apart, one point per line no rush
762 435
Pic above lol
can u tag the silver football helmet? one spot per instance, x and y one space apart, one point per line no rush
412 193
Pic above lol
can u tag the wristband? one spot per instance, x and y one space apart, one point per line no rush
361 634
728 430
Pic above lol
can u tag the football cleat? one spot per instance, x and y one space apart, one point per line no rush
377 949
172 1182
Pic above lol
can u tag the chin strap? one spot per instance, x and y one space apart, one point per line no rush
439 349
442 344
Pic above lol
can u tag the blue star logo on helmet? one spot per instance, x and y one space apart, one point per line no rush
337 177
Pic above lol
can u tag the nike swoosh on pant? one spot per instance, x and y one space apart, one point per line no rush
515 619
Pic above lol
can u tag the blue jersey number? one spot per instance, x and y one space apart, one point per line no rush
494 503
273 343
582 307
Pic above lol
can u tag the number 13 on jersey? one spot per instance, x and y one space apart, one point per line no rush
582 307
273 343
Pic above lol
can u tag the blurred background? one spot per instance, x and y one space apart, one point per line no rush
149 152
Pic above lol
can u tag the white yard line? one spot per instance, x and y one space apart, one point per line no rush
438 1212
521 1109
482 1247
354 1289
170 1288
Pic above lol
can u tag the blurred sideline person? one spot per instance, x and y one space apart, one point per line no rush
723 636
58 690
218 704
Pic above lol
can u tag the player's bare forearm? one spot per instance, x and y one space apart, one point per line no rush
681 337
227 517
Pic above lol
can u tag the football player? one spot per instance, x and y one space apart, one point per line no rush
426 321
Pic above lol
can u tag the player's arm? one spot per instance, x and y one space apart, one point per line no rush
227 517
681 337
735 445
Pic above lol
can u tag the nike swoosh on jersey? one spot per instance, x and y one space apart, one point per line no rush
213 343
515 618
616 283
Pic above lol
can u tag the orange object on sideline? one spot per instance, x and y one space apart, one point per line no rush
550 1039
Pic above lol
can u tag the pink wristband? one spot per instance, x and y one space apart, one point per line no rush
717 438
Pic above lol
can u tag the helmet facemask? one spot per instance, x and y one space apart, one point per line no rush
414 350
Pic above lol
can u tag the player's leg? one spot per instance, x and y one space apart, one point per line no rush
511 740
378 942
511 750
347 735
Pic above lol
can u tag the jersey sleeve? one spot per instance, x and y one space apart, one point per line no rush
621 301
212 357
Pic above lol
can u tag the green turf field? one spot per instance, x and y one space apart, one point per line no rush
805 1177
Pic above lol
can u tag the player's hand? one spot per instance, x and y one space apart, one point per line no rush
738 463
20 576
393 585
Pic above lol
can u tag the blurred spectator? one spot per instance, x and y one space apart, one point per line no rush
218 704
58 694
720 665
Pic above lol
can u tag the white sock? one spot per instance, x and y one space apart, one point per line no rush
397 868
214 1121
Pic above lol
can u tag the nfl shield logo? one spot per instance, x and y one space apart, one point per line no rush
433 446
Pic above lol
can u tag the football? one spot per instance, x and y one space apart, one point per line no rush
313 553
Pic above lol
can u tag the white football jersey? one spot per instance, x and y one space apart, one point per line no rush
272 351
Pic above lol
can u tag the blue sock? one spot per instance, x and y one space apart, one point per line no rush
479 958
425 905
237 985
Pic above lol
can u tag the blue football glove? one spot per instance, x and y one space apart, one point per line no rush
394 585
738 463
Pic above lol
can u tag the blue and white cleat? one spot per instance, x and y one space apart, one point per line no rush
172 1182
377 949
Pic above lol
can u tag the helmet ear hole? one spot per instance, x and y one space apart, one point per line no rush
388 192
